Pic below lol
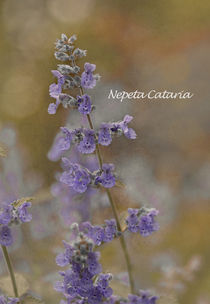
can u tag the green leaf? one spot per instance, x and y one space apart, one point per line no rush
22 200
30 298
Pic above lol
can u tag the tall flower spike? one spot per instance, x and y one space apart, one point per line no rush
68 77
82 282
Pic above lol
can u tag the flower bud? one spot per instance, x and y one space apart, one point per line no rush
61 56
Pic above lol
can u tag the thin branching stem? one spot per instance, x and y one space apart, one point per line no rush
10 270
114 210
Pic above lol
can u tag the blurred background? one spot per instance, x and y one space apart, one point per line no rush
144 45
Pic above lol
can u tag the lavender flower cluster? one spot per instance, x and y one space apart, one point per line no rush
79 177
86 139
83 282
65 196
8 300
12 214
68 78
142 220
139 220
101 234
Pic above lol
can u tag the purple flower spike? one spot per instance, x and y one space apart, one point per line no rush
5 236
24 216
87 145
88 80
83 281
84 104
104 135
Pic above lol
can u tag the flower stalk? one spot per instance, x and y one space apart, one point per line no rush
115 213
10 270
84 281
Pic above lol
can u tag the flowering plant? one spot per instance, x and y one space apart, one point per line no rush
83 282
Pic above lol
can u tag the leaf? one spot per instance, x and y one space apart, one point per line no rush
3 151
22 200
30 298
123 216
6 285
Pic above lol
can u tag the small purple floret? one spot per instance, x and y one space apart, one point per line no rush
107 177
84 104
87 79
24 216
88 144
55 90
5 236
104 135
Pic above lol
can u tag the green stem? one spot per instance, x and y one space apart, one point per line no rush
10 270
114 210
122 241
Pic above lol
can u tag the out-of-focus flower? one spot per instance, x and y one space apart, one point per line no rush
8 300
142 221
9 215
